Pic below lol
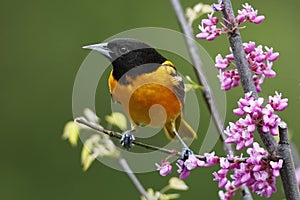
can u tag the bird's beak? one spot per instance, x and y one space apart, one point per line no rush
102 48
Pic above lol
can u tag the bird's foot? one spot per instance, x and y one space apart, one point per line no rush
127 139
186 152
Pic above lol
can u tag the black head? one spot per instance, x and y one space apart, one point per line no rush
126 54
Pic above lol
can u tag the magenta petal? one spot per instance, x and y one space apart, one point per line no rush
273 56
202 35
259 19
184 174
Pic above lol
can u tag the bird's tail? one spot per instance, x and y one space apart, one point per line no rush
182 127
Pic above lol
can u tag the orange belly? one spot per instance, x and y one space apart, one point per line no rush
149 99
153 105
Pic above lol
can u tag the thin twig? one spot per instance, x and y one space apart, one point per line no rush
117 135
194 53
133 178
287 171
98 128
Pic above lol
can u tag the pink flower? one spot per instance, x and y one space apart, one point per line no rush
276 166
211 21
211 159
241 175
192 162
218 6
241 132
270 55
298 175
221 63
165 168
230 192
208 28
270 120
256 154
182 170
229 79
248 13
250 106
258 81
249 47
220 176
277 102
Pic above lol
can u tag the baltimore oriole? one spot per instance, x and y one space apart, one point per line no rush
147 86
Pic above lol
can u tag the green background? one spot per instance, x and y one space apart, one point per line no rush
40 55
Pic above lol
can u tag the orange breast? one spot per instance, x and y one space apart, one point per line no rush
149 99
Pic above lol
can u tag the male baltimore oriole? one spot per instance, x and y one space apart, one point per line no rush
147 86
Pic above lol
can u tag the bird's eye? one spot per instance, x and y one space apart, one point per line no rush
123 50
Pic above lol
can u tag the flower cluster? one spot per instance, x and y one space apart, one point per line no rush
208 28
185 166
248 13
258 173
260 62
241 132
210 31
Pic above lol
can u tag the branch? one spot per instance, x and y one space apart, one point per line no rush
117 135
96 127
133 178
245 73
193 51
287 171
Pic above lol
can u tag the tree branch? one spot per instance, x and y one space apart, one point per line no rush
133 178
287 171
98 128
194 53
245 73
117 135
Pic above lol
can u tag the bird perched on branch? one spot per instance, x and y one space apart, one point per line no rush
148 87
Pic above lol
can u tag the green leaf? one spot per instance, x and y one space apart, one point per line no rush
177 184
117 119
169 196
197 11
86 159
71 132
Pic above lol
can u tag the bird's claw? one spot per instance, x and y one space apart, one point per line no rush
186 152
127 139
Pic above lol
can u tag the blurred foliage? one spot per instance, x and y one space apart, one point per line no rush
40 54
174 183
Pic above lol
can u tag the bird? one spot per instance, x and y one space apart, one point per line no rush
148 87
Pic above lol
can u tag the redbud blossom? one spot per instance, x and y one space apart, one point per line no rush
277 102
248 13
257 173
218 6
229 79
208 28
182 170
165 168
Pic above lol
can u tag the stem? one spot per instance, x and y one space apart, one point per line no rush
245 73
287 171
117 135
210 101
194 53
133 178
164 189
